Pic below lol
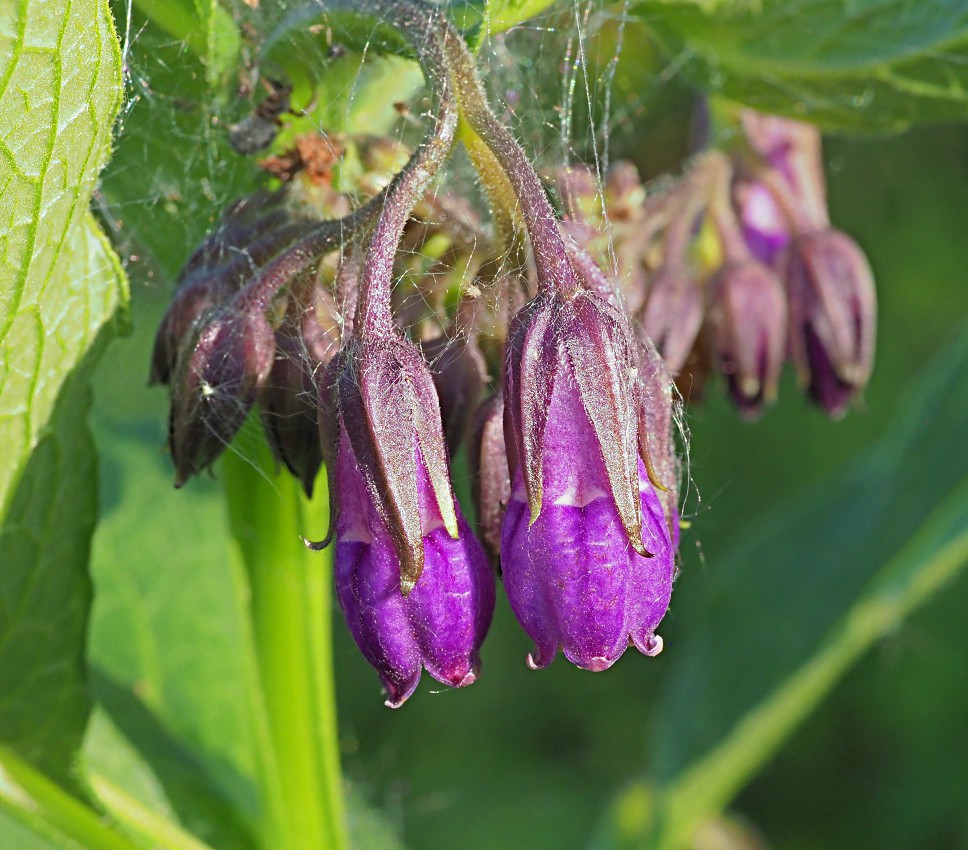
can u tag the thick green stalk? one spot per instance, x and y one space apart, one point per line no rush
286 602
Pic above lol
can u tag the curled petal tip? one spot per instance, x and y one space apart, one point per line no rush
651 645
654 476
599 663
399 692
450 523
411 567
537 660
468 679
535 511
316 545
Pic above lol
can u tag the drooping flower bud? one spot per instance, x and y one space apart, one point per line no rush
441 622
251 232
490 482
583 511
748 332
833 310
586 551
194 301
413 581
572 578
216 382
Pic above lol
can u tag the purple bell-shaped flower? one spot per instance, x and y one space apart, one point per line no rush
413 582
587 554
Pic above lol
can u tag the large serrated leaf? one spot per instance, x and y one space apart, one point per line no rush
879 540
60 291
862 65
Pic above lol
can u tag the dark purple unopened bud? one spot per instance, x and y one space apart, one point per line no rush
764 227
833 316
215 384
459 373
572 578
250 234
748 332
192 303
672 315
490 481
304 346
441 623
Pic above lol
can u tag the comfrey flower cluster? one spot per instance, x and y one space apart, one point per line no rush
373 361
735 267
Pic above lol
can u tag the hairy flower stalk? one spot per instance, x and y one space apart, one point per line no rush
412 580
216 345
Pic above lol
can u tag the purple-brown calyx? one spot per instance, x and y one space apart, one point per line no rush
832 316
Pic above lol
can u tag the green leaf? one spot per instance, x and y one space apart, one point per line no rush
165 638
879 540
856 65
501 15
46 808
168 644
204 26
484 18
157 784
60 292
